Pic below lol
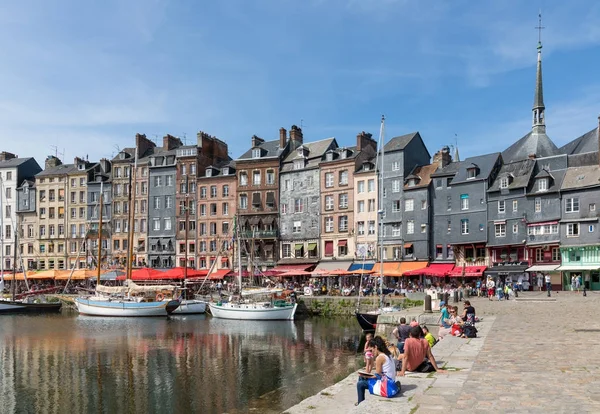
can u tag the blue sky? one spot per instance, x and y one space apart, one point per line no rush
86 76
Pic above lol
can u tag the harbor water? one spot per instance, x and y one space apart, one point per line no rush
69 363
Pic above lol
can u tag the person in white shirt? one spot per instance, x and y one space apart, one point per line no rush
548 283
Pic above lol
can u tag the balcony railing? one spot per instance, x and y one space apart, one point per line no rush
258 234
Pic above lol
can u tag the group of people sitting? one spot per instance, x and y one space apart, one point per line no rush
455 324
412 355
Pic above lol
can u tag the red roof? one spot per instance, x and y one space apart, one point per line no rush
469 271
290 267
434 269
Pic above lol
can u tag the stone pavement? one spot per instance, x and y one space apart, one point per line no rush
531 356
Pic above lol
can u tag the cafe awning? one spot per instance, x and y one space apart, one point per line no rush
406 268
292 267
361 266
312 246
388 267
434 269
219 274
408 245
467 271
333 265
575 268
542 268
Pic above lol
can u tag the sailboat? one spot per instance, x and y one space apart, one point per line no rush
368 320
131 299
30 301
188 306
246 308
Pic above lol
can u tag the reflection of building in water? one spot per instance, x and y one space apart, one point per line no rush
92 365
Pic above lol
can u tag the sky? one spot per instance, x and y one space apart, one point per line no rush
82 78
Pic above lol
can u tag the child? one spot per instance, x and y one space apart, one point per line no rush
430 338
368 353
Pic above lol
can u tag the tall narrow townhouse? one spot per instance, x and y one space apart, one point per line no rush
365 212
52 185
337 200
13 171
300 203
99 243
161 216
27 217
122 176
77 179
192 161
401 155
217 207
258 199
145 148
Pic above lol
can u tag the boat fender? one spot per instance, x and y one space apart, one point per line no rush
159 297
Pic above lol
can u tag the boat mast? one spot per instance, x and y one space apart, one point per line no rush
187 216
380 200
131 217
239 242
14 272
100 234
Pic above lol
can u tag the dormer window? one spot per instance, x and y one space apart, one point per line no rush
256 153
208 172
81 167
343 154
543 184
367 167
226 171
504 182
122 156
298 164
412 182
329 156
471 173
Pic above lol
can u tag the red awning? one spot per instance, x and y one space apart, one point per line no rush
434 269
342 242
328 248
219 274
469 271
290 267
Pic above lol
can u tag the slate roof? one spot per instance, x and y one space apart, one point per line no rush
270 147
30 183
485 164
130 151
581 177
423 173
353 153
316 150
218 169
400 142
588 142
555 181
520 171
532 143
449 169
14 162
58 170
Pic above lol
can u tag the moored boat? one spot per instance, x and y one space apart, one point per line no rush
105 306
263 311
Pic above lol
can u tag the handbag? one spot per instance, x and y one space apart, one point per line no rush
383 386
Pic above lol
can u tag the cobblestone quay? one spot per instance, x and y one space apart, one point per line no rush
537 356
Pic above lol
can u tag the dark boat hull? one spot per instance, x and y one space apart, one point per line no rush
367 321
8 306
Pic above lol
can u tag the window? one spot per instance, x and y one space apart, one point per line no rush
504 182
156 224
464 201
342 248
243 179
360 206
573 230
298 205
156 203
449 226
543 184
449 203
225 190
591 228
157 181
396 186
471 173
287 250
500 229
343 223
555 254
593 207
371 205
371 185
572 205
256 178
284 208
409 205
538 205
396 206
243 201
168 203
439 251
298 164
371 227
423 228
423 204
297 227
213 209
438 183
360 228
360 187
515 228
343 200
328 224
344 177
410 227
328 180
256 153
329 202
464 226
501 206
450 251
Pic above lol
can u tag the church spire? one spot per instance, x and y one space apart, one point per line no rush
539 121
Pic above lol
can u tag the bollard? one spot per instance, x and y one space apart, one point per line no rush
455 296
427 304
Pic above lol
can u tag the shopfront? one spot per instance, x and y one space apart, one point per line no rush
581 261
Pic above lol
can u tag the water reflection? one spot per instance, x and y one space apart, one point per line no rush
55 363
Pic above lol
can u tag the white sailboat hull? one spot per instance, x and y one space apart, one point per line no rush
252 311
191 306
124 308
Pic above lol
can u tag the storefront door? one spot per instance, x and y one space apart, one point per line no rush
595 280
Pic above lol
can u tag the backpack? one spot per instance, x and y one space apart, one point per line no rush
470 331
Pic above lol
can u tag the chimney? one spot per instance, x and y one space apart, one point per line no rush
105 165
296 137
143 144
5 156
442 157
170 142
52 161
256 141
365 139
282 137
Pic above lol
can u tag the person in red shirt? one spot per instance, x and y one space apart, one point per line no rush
417 355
